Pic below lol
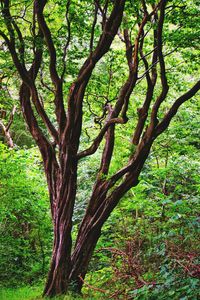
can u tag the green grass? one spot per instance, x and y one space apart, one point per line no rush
24 293
34 293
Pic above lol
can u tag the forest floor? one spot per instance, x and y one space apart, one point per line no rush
24 293
32 293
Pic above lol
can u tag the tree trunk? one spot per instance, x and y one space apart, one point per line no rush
57 282
67 273
60 267
82 256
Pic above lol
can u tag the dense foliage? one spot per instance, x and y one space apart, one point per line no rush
25 226
149 246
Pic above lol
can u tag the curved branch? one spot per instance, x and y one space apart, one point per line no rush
28 77
109 31
77 90
92 149
6 128
68 39
11 118
57 81
39 7
173 110
163 76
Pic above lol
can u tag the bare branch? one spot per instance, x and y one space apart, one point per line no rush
77 89
92 149
11 118
57 81
173 110
93 28
164 82
6 128
68 39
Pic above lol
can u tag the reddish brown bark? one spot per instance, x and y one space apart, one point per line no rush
6 128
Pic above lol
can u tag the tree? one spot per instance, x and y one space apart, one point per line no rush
41 42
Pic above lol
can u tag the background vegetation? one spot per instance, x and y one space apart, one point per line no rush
149 248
